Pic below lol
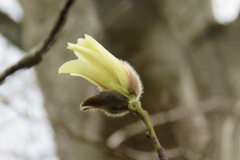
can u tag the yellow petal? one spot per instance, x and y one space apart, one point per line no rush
119 88
112 62
93 59
82 42
88 79
86 70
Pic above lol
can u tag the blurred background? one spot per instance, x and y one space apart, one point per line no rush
186 52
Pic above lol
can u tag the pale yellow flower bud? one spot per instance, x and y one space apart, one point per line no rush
102 69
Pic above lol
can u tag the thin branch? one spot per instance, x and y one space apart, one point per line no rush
35 55
68 132
136 108
143 155
173 153
161 118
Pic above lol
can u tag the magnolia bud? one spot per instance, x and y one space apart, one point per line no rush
102 69
111 102
117 79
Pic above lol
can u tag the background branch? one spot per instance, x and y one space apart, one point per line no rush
35 55
65 130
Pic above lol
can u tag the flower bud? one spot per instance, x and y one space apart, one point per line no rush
111 102
102 69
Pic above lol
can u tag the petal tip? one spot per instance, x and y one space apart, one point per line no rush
86 35
60 71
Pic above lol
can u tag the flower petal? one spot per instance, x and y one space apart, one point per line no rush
86 70
86 44
113 63
88 79
119 88
95 59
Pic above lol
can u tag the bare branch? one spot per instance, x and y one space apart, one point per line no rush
35 55
172 153
64 129
137 109
165 117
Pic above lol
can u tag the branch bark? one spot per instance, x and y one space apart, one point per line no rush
35 55
136 108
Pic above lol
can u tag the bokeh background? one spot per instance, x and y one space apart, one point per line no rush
187 53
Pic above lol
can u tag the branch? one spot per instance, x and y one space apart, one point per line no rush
136 108
64 129
35 55
212 104
173 153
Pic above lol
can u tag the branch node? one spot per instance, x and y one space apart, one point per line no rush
136 108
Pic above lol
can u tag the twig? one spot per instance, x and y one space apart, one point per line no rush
136 108
209 105
64 129
35 55
173 153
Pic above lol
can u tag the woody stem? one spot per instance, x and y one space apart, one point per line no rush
136 108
